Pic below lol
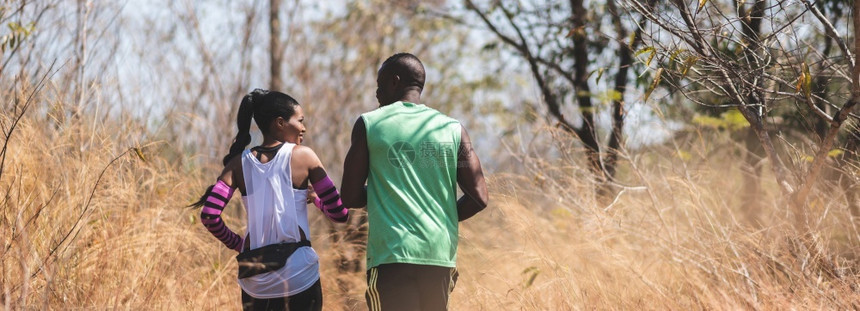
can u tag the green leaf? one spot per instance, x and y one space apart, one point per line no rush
701 4
804 82
708 121
599 74
734 120
673 58
835 153
490 46
584 94
531 273
29 29
648 49
631 40
139 154
643 51
614 95
654 84
688 63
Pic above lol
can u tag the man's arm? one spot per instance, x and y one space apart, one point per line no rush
470 177
355 168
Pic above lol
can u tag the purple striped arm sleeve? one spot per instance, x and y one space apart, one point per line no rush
328 200
210 216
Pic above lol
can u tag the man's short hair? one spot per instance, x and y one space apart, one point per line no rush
408 67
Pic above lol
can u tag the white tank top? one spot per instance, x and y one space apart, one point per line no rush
275 212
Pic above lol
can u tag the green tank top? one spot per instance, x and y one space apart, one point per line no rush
412 186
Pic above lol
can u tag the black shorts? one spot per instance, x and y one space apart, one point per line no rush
402 286
309 299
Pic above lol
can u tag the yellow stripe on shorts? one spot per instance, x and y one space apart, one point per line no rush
372 292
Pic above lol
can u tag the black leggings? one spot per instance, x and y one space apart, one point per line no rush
310 299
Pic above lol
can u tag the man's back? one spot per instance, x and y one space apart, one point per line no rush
411 185
413 158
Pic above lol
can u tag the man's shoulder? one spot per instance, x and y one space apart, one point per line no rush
390 111
449 121
373 113
441 115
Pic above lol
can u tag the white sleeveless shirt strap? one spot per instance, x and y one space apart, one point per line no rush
268 187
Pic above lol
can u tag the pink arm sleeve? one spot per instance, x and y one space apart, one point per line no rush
328 200
210 216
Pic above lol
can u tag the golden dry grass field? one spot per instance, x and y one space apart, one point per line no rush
94 218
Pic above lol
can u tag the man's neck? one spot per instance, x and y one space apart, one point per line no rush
411 97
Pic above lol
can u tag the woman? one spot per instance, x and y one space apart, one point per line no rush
277 267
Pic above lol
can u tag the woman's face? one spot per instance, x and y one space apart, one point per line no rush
292 130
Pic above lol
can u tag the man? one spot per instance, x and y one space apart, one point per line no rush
412 158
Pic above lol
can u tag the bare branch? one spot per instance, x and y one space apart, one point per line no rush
831 31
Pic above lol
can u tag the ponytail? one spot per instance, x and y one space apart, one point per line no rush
243 123
243 137
202 199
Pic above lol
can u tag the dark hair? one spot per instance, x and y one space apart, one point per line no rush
264 106
408 67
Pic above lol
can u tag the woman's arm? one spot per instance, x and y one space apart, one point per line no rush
214 201
327 199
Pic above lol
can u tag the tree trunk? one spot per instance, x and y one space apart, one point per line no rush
586 133
798 199
819 88
276 47
755 101
625 60
751 184
850 179
81 59
779 170
850 183
578 77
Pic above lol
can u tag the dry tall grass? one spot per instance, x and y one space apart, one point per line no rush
88 222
